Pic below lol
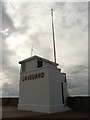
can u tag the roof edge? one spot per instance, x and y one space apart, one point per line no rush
37 57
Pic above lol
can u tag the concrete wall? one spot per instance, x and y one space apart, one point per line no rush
75 103
35 91
48 64
42 94
34 94
31 65
79 103
55 86
9 101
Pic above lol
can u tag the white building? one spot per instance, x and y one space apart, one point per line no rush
43 88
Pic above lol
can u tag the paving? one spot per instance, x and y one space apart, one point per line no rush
13 113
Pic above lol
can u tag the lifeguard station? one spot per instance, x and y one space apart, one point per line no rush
43 88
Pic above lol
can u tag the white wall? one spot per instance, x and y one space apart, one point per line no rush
66 94
34 92
31 65
42 94
55 86
48 64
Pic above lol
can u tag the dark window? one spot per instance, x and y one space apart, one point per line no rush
39 64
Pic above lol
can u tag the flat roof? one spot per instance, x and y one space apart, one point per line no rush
40 58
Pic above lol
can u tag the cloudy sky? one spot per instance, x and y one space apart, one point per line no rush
27 24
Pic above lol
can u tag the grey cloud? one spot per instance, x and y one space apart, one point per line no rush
77 77
30 16
9 90
79 82
82 6
73 17
80 91
35 38
60 5
78 69
6 53
7 22
10 71
25 19
0 14
47 53
28 13
77 87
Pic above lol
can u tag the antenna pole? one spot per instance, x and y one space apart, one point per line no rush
31 51
53 36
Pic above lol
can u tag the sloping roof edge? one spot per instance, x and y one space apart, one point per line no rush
37 57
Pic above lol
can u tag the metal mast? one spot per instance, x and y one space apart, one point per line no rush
31 51
53 36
